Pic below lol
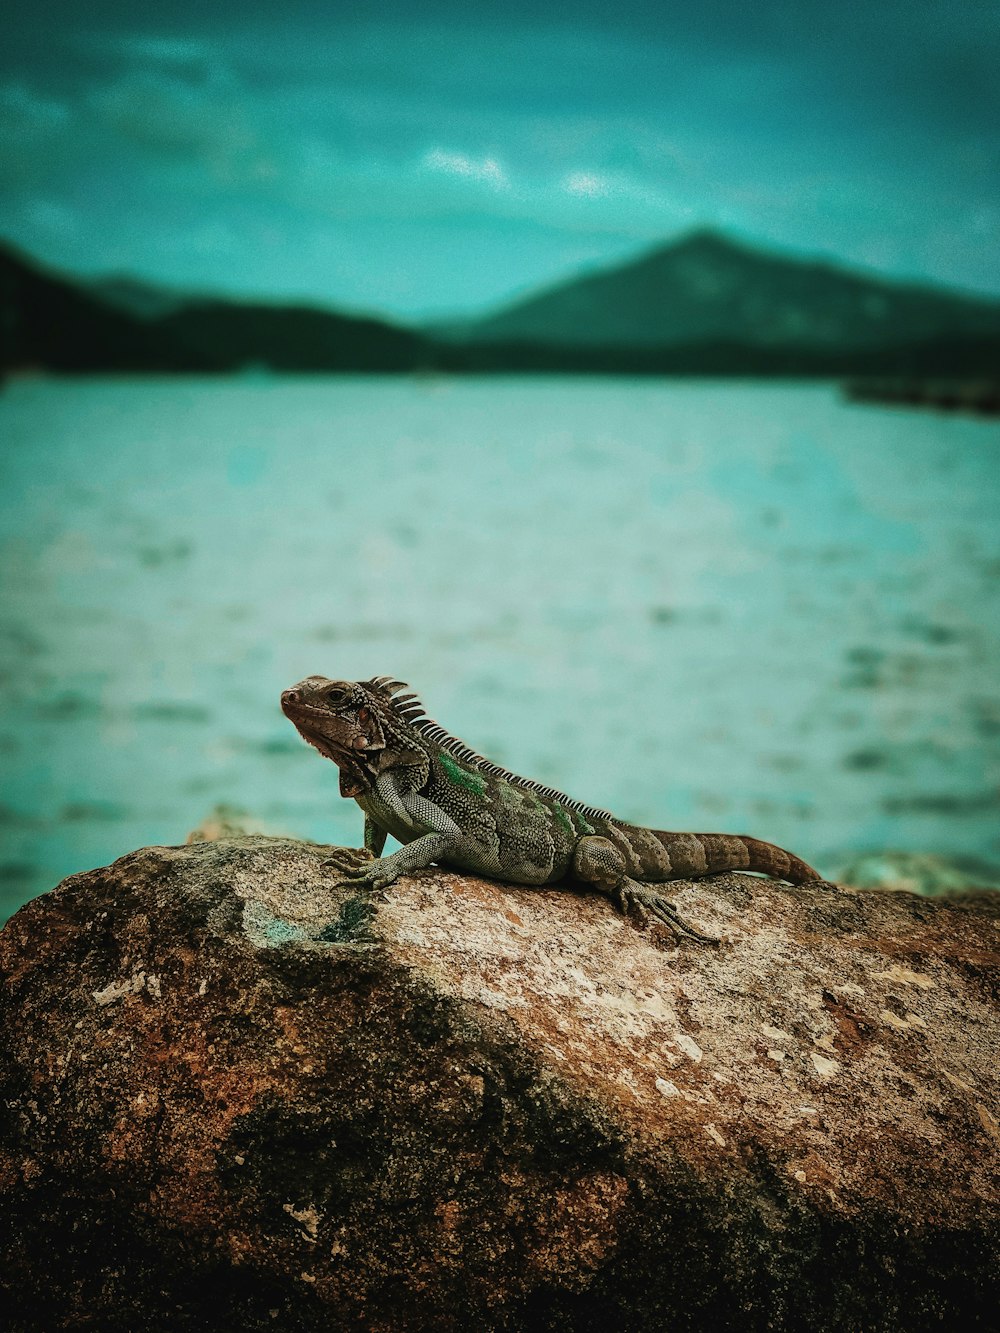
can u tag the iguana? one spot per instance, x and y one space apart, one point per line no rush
447 804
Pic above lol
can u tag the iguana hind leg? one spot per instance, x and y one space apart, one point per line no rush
642 901
598 861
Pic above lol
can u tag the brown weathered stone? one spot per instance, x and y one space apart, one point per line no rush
236 1096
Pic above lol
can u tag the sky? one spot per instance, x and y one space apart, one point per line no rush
445 158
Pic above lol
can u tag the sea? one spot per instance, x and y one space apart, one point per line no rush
721 606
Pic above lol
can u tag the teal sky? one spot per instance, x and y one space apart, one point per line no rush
443 158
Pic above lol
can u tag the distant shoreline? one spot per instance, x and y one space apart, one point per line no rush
812 323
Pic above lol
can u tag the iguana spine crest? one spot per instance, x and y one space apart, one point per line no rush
412 712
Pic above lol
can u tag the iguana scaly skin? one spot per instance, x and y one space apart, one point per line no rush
449 805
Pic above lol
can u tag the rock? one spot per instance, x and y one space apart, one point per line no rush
919 872
238 1096
228 821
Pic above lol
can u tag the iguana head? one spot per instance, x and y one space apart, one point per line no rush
354 723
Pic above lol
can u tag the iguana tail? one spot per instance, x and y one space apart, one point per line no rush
694 854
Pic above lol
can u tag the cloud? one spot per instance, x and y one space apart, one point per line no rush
26 111
52 217
193 58
448 185
488 169
209 122
184 51
553 139
585 183
32 135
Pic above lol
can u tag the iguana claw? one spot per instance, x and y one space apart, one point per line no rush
373 883
637 900
352 875
347 859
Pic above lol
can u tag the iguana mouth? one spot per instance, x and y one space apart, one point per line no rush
299 709
321 742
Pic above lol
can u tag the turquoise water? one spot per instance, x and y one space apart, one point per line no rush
741 607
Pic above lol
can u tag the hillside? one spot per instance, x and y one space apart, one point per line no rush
147 300
49 321
706 288
292 338
704 306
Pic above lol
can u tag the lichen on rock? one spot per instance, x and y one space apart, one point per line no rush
237 1095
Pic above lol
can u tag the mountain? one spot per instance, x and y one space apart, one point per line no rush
135 296
707 289
54 323
51 322
292 338
703 306
282 337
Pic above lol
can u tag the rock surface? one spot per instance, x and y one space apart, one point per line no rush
234 1095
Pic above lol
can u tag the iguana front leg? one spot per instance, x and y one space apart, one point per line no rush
375 836
415 810
599 862
414 856
347 859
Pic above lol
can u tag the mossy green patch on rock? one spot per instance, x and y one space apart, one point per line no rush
267 930
353 923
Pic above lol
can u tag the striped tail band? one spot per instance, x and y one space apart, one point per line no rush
693 854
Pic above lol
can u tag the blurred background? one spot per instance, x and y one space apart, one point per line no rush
627 382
